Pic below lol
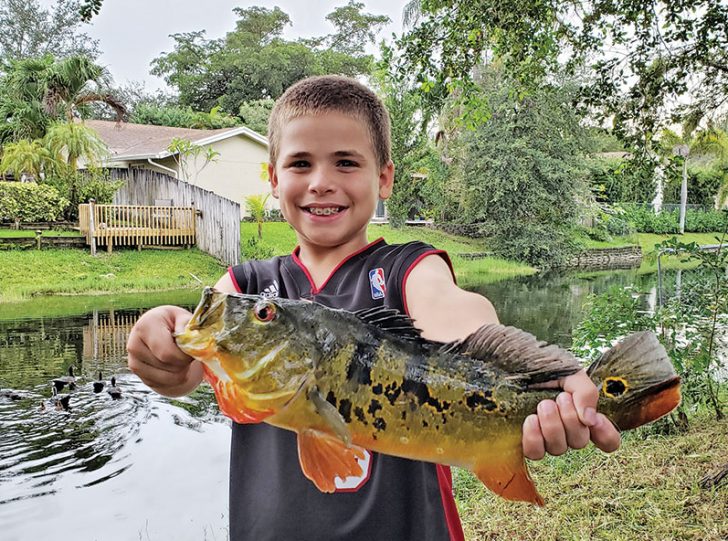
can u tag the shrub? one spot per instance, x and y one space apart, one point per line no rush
80 186
30 202
666 222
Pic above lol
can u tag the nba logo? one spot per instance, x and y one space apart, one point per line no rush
376 281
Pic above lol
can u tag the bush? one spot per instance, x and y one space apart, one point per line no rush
666 222
535 245
30 202
80 186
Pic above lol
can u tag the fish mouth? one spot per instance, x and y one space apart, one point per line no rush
196 338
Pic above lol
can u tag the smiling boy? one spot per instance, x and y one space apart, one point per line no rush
329 164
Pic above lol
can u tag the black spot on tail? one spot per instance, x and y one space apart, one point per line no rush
360 364
359 414
380 424
614 387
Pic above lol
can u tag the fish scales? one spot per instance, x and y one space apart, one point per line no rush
350 381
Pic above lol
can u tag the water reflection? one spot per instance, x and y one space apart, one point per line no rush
124 463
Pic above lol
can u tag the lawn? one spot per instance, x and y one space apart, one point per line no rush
646 490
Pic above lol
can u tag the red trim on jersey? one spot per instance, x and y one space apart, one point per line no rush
444 475
314 289
444 479
235 282
442 253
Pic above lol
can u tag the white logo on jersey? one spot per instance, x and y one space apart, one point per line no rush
270 291
354 483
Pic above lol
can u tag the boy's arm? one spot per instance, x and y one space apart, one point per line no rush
154 355
445 312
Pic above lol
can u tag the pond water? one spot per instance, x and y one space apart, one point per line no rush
143 466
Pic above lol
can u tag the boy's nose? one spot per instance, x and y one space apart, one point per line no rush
320 182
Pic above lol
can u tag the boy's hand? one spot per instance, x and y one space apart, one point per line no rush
569 422
155 357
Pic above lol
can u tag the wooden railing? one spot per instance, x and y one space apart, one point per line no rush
136 225
105 335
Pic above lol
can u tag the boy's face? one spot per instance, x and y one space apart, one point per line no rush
328 180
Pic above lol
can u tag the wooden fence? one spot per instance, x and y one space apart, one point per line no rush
136 225
105 335
217 219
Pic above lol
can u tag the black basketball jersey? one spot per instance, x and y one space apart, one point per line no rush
396 498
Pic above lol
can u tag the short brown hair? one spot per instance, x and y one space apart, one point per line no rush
331 93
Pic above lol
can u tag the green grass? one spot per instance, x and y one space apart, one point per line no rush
27 233
646 490
280 239
32 273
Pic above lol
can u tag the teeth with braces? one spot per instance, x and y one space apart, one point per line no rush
323 211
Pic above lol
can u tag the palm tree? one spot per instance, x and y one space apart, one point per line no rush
255 205
27 158
695 142
36 91
75 140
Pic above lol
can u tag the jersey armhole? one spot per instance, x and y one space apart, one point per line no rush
442 254
234 278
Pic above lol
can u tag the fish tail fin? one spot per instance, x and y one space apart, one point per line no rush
636 380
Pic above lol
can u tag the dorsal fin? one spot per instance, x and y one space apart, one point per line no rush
391 321
518 353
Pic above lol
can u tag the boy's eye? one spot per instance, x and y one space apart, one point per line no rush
346 163
298 164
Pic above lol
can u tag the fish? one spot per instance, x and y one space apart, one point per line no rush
349 381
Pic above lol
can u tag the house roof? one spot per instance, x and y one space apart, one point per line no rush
128 141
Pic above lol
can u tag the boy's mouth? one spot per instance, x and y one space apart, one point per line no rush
323 211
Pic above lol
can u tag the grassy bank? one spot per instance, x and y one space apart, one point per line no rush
28 273
280 239
31 273
646 490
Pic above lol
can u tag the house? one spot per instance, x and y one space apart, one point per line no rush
235 173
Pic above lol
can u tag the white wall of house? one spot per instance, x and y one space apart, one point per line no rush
235 173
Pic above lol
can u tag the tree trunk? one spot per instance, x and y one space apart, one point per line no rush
683 196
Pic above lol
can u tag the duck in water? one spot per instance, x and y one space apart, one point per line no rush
99 384
60 401
114 391
70 380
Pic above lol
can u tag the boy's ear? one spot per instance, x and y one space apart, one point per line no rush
386 180
273 179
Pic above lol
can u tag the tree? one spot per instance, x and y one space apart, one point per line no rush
409 138
254 62
27 159
36 91
30 30
354 28
521 174
75 140
646 58
186 153
255 114
255 205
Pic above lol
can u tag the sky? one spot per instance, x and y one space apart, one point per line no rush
132 33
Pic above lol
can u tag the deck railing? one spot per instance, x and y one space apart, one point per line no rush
136 225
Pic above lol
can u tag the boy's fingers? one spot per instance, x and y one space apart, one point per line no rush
577 435
552 427
605 435
585 396
533 446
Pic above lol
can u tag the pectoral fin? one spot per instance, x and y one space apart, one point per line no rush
325 457
508 477
231 400
331 415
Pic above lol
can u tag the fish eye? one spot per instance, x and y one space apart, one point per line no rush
264 312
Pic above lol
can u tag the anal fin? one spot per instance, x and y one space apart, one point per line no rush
325 457
509 479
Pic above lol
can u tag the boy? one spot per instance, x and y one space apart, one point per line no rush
329 164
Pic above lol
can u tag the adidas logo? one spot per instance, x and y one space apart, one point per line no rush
270 291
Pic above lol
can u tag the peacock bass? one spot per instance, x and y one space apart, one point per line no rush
348 381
